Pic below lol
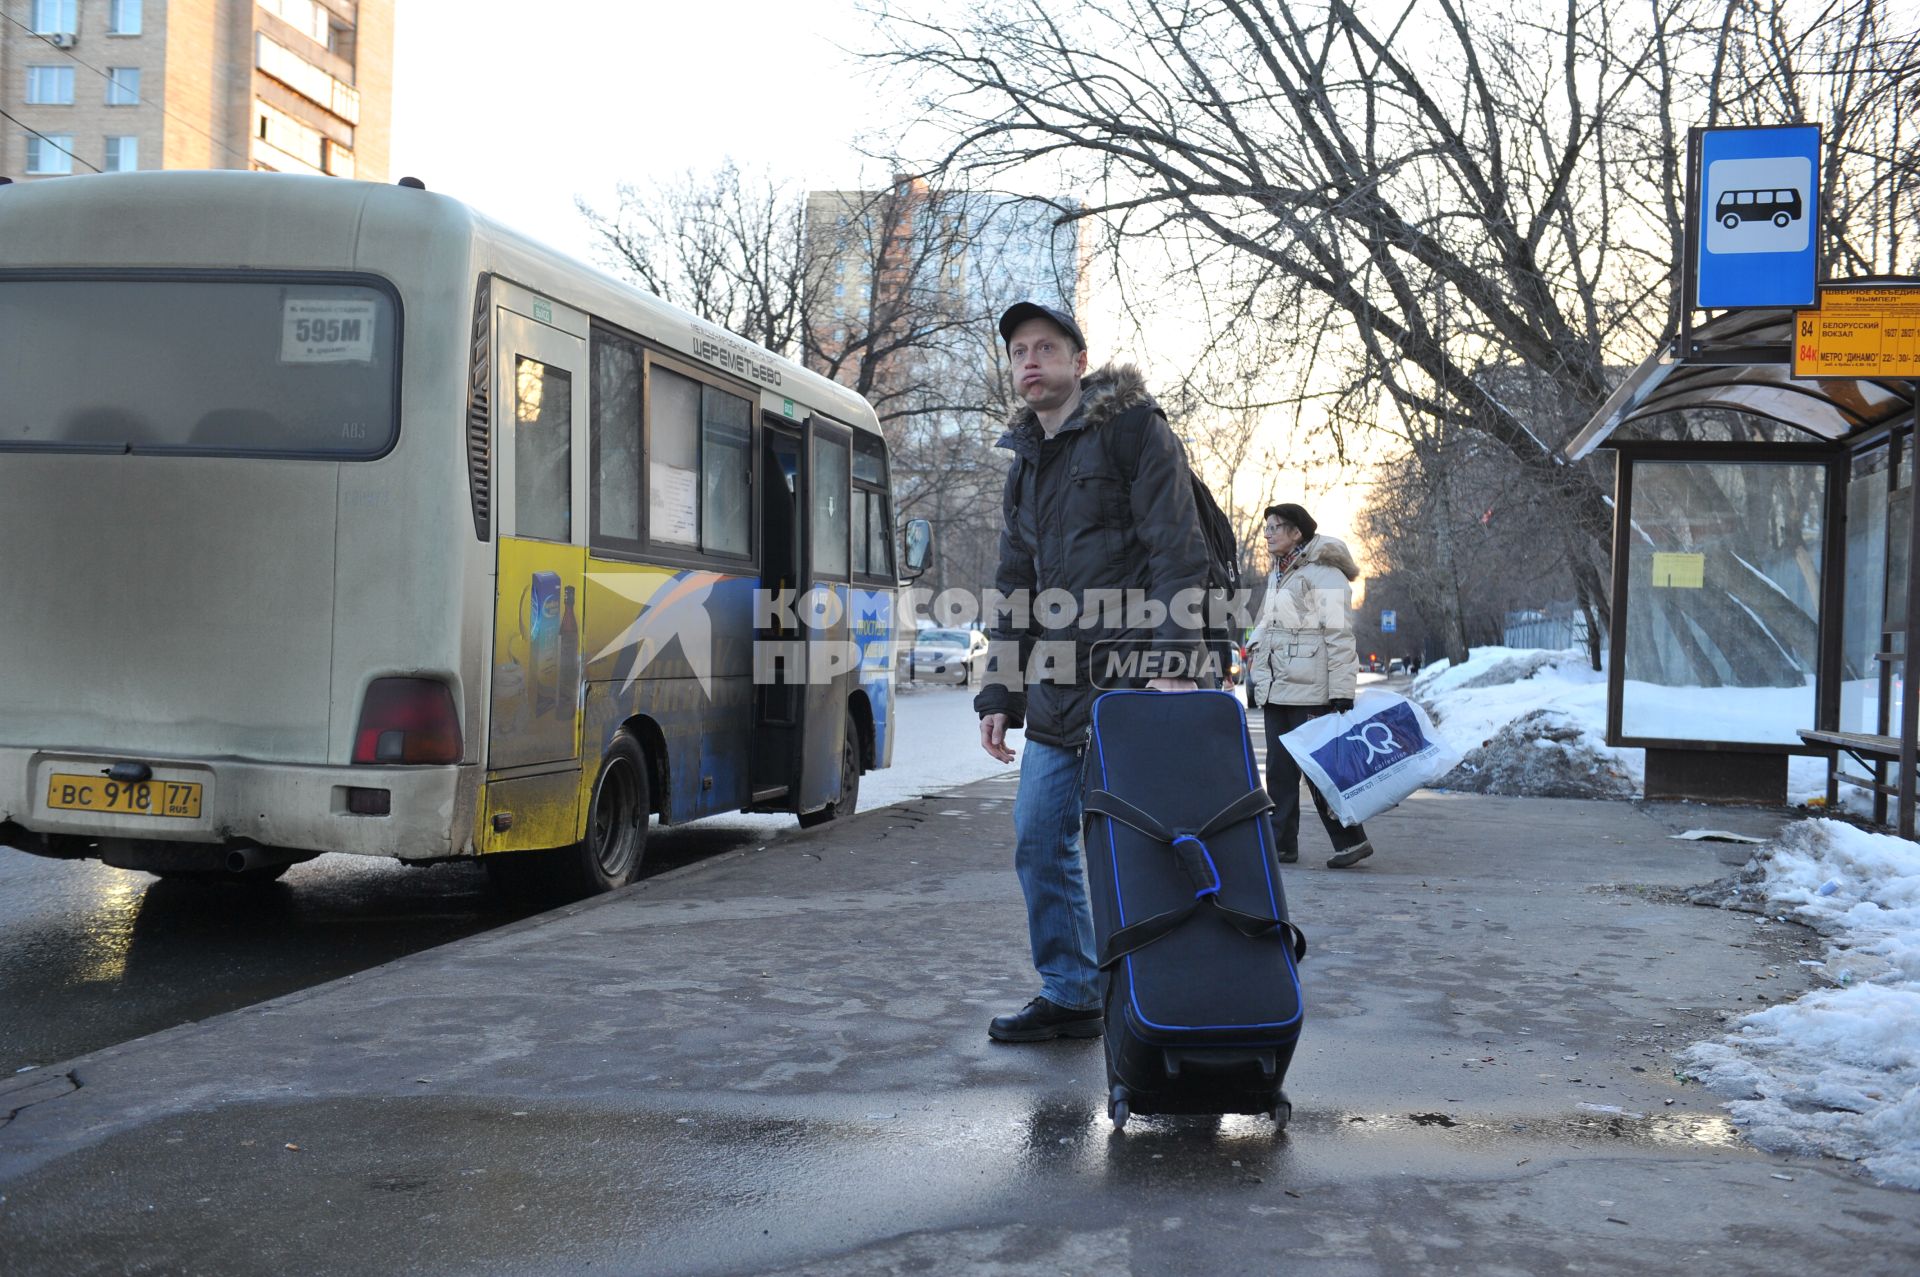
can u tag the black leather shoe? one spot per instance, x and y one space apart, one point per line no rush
1290 857
1351 856
1041 1021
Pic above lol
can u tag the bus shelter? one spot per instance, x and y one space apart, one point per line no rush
1764 560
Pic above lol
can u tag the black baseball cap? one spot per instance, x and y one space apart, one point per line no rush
1020 312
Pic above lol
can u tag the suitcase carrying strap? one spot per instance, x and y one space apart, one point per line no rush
1190 849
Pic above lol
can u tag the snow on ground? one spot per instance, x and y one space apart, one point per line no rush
1836 1072
1498 686
936 746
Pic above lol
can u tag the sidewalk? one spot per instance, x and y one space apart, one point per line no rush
776 1061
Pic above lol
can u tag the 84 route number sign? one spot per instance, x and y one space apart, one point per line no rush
1859 332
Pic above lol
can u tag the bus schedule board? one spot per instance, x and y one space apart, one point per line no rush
1859 332
1755 216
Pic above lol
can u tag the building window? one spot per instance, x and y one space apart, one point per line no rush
306 79
50 154
286 143
123 154
339 159
56 17
123 86
50 86
304 16
123 17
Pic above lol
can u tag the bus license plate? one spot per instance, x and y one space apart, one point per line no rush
176 798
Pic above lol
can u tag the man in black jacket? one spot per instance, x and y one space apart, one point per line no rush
1097 502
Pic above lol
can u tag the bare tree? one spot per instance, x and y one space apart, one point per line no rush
893 292
730 248
1429 191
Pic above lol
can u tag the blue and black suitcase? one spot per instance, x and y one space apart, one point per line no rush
1202 995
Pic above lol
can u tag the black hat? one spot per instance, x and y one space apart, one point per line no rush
1020 312
1296 515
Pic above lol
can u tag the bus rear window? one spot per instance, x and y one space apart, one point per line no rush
282 367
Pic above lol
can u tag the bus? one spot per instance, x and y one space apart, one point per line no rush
335 517
1780 207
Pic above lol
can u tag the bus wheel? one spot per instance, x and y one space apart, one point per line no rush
609 857
849 783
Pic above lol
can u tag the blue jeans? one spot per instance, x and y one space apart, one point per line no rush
1046 855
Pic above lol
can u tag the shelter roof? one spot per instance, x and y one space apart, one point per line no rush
1743 362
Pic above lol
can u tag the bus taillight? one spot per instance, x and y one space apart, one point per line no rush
407 720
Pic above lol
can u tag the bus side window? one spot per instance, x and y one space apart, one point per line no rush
872 515
880 535
830 515
700 465
862 545
542 450
673 463
726 473
615 471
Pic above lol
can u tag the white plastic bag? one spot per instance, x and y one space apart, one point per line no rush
1369 758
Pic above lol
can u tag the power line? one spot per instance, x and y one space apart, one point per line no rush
69 53
49 141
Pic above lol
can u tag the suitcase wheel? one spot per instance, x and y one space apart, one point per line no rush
1282 1112
1117 1107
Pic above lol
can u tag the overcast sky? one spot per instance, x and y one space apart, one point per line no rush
517 107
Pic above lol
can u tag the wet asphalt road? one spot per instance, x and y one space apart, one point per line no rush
91 956
775 1062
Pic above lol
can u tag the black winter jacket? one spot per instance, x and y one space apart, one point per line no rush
1072 521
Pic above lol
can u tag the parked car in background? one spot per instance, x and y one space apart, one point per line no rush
947 656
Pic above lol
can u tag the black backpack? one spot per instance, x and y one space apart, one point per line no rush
1223 549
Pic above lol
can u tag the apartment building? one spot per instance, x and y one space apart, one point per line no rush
291 86
909 282
913 247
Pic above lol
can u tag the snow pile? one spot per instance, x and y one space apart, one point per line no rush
1499 705
1528 723
1836 1072
1543 754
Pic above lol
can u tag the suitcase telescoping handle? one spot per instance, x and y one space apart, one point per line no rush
1190 849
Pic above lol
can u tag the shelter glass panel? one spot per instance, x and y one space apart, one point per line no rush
1864 593
1899 528
1723 633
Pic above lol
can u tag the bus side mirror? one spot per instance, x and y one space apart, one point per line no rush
919 548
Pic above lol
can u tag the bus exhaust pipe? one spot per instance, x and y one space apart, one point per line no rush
247 856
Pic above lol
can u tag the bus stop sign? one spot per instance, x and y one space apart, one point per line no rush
1389 621
1756 216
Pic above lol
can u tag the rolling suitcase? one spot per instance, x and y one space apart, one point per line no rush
1202 996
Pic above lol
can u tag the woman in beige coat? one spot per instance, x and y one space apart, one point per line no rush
1301 663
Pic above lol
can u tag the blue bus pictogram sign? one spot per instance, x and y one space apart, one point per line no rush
1757 208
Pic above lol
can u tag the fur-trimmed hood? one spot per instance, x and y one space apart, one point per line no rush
1104 394
1331 552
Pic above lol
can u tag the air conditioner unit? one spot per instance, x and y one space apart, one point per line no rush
63 40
